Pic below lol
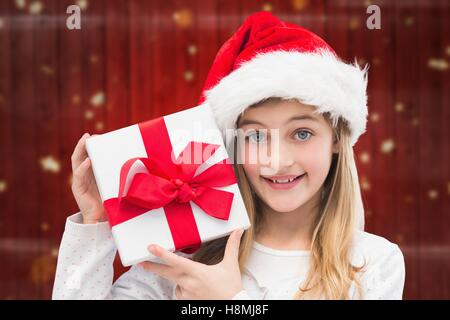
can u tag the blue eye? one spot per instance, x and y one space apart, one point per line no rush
256 137
303 135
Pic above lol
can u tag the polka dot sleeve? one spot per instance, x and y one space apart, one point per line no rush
385 277
85 268
85 261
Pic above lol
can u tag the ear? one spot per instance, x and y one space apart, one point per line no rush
336 146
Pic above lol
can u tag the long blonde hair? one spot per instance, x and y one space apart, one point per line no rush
331 273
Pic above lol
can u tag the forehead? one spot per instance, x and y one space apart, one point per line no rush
277 112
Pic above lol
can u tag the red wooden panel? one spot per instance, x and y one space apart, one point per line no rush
186 18
47 145
207 42
140 60
117 64
71 108
164 60
156 56
336 26
228 21
430 152
445 147
25 158
381 127
135 60
249 7
407 134
7 218
350 16
93 67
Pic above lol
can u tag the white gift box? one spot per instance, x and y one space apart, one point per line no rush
109 151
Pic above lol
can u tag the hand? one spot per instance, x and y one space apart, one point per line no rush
196 280
84 188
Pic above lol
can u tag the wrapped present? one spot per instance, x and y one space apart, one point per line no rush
167 181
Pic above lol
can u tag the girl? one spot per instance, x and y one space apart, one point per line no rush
289 96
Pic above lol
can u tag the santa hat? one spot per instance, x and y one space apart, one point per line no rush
268 57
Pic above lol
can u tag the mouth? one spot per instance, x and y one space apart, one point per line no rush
283 183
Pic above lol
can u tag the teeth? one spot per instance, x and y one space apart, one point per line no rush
283 181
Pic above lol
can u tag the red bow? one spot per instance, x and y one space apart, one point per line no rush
172 185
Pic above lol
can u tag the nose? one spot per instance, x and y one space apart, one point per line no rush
282 157
286 156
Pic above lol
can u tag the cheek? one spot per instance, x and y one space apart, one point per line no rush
252 171
252 156
316 162
252 164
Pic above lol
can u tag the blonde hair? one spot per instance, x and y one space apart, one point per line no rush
331 273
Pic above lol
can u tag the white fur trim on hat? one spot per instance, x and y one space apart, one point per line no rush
320 79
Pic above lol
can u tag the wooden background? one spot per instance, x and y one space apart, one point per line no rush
135 60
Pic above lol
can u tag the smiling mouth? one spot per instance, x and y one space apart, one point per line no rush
283 181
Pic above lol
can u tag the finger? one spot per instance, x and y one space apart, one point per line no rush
79 153
161 270
178 293
171 258
232 247
80 173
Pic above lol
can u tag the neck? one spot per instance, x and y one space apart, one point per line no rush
289 230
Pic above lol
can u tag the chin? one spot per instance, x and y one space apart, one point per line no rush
284 209
284 205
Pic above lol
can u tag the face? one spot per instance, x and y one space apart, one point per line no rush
286 152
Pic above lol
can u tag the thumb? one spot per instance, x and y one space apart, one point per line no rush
232 247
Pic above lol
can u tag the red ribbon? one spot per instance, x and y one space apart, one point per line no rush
171 184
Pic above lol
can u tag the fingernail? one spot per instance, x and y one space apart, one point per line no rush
152 249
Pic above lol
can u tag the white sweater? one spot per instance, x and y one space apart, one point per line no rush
87 252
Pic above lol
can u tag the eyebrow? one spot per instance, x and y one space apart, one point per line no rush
301 117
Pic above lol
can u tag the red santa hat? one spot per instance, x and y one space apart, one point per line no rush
268 57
